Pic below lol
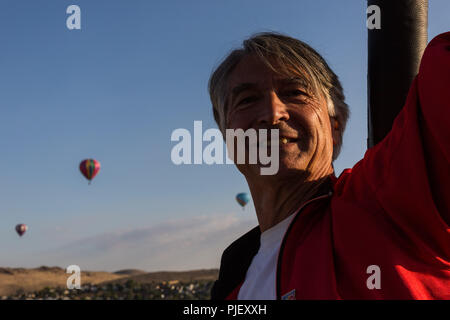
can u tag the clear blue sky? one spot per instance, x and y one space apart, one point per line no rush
114 91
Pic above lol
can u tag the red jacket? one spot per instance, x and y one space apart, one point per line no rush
392 210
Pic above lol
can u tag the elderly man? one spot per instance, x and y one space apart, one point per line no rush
380 230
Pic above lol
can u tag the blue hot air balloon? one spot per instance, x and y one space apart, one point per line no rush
242 199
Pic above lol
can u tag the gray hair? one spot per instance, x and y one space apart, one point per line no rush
290 56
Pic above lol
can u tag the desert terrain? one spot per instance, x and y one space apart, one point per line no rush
51 282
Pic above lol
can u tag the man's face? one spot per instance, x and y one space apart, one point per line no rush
258 98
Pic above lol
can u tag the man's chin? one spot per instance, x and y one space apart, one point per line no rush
284 170
288 171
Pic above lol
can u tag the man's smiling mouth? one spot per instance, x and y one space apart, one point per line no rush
286 140
281 141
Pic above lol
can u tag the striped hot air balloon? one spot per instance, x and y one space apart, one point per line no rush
21 229
89 168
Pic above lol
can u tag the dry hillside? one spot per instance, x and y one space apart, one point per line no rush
13 280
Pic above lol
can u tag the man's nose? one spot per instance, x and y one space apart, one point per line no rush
273 110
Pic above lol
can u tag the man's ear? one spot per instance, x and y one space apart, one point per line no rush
335 130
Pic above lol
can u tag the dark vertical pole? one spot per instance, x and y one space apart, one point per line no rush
394 53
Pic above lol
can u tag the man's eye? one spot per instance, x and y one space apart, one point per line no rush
295 93
247 100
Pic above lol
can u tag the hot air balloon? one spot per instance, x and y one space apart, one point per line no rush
89 168
242 199
21 228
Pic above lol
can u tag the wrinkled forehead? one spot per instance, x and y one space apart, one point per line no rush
253 70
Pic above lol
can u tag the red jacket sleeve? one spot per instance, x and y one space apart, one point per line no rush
408 173
434 97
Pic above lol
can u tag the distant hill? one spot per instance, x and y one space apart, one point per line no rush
181 276
24 280
129 272
13 280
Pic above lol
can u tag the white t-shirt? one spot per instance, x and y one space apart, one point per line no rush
260 279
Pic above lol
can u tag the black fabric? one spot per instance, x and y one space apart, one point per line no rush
394 54
236 260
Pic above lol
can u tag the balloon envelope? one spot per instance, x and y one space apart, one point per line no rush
21 228
242 198
89 168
